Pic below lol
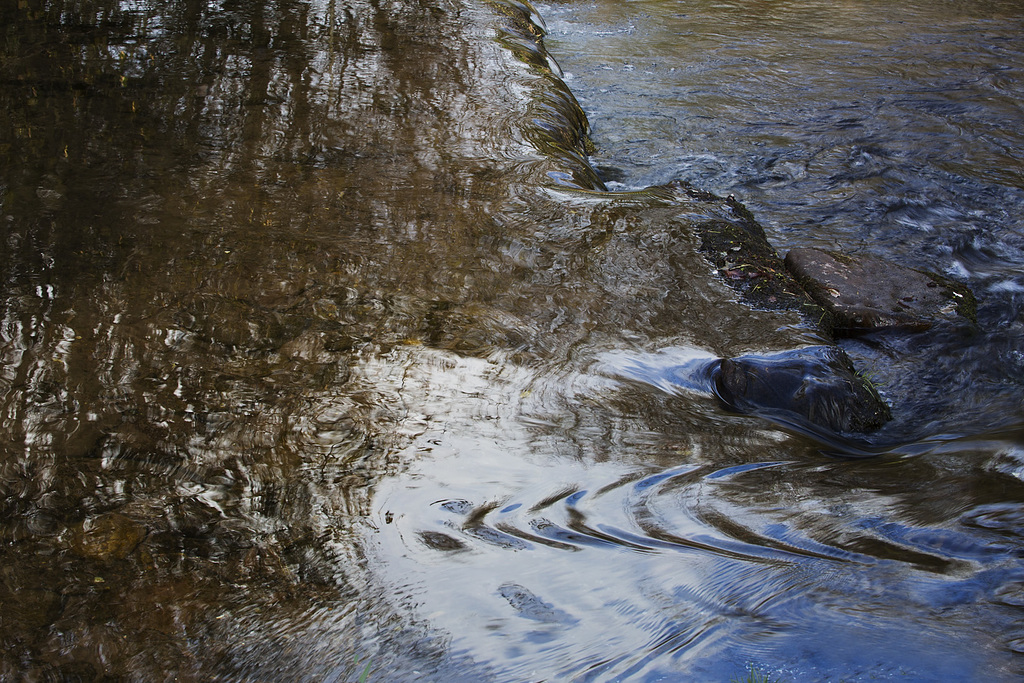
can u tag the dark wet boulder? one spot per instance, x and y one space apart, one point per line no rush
864 293
812 388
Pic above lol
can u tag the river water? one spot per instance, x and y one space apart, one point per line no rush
322 346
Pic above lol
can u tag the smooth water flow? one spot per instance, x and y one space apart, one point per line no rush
325 348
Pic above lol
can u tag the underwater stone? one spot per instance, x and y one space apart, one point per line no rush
866 293
111 536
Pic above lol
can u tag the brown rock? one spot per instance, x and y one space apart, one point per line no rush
110 536
867 293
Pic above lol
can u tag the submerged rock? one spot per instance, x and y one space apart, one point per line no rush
865 293
111 536
814 387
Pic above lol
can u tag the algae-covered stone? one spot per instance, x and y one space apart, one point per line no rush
868 293
736 245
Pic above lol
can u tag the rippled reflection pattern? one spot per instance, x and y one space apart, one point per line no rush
212 212
321 346
677 554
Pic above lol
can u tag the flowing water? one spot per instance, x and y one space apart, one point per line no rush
322 345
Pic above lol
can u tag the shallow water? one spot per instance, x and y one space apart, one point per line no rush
314 356
872 128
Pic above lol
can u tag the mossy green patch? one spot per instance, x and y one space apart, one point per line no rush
964 299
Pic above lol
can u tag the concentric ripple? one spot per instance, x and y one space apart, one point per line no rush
543 558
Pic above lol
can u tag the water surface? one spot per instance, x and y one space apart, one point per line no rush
312 356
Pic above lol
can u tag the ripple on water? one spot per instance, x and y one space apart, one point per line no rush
604 568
